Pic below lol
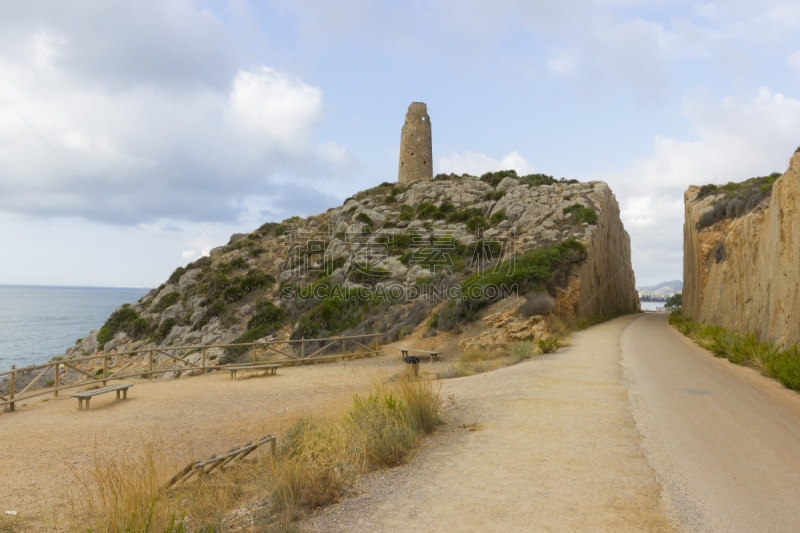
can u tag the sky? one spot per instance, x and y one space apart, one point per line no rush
136 135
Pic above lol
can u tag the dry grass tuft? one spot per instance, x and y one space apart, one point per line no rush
479 360
318 460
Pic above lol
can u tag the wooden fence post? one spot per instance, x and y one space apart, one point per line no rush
11 386
150 366
204 359
105 369
377 343
55 380
303 349
343 341
254 352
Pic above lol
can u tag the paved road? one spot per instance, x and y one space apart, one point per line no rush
724 441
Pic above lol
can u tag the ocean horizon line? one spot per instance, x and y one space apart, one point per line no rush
125 287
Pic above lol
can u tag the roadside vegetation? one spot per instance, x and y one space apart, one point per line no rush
783 365
676 300
316 464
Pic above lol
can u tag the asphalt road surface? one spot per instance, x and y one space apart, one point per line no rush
724 441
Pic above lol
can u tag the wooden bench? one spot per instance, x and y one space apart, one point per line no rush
433 355
272 369
87 395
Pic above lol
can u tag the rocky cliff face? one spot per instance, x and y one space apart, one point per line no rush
743 273
281 280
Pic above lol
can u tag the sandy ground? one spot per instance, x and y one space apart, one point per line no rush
42 442
631 428
556 450
722 438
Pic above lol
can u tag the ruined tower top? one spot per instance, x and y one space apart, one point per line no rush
416 154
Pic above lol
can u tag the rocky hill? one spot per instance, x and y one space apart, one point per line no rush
742 255
665 288
431 254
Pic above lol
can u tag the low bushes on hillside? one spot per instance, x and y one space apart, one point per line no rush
530 272
739 198
579 214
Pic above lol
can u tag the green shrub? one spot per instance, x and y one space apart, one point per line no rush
464 215
477 222
123 319
581 214
406 212
104 335
216 308
738 199
428 211
493 196
340 309
498 217
167 301
494 178
255 280
550 345
364 218
234 293
266 313
676 300
140 328
529 273
203 262
164 329
176 275
337 263
368 275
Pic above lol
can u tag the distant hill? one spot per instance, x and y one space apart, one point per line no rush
666 288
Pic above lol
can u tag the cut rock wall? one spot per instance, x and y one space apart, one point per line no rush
753 286
607 282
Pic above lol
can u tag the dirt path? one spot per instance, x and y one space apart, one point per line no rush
558 451
722 438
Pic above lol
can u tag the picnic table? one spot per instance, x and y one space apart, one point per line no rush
272 369
414 359
432 354
86 396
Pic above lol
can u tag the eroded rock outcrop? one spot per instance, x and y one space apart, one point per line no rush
255 287
744 273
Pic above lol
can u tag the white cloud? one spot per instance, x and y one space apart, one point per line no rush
475 163
565 62
282 105
736 139
165 144
793 60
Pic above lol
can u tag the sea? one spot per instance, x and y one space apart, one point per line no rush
651 306
39 323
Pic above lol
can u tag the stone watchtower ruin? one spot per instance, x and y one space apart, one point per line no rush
416 154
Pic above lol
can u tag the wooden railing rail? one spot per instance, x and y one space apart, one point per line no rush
91 375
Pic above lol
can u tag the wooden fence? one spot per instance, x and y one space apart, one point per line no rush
309 351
